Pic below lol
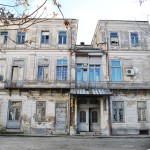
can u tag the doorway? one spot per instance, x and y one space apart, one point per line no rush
14 114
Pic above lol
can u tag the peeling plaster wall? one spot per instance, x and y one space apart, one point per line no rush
131 124
28 111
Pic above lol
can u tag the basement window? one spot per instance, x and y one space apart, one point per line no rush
114 40
143 132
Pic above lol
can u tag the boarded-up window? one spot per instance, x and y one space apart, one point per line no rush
18 70
61 116
40 111
2 69
141 106
95 60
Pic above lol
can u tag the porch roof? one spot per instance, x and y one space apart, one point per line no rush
90 92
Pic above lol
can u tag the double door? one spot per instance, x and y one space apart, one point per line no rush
14 113
88 120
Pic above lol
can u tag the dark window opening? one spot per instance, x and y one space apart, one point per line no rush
143 132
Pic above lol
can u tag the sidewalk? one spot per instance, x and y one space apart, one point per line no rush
77 136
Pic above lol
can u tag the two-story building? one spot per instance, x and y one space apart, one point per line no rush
35 77
127 48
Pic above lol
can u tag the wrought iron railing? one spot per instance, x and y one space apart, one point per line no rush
37 84
115 85
85 85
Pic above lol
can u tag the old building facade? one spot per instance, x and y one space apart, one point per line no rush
50 85
35 77
127 48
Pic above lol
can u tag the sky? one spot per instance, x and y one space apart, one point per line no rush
88 12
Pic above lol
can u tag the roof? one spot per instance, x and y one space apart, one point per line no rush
90 92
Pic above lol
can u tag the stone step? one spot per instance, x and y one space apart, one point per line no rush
90 133
12 131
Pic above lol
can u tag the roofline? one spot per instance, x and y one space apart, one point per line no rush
126 20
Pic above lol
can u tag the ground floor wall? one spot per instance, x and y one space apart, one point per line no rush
130 112
35 112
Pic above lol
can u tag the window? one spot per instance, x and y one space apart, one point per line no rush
118 111
18 70
114 40
62 37
43 69
82 116
40 111
4 37
20 37
141 108
2 69
45 37
115 71
94 75
94 117
134 39
61 70
82 74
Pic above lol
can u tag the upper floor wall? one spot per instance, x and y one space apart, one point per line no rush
122 35
52 34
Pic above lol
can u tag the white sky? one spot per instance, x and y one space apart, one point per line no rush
90 11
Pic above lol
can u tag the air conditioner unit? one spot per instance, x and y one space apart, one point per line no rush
130 72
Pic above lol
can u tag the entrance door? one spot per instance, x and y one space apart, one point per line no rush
94 119
83 120
88 120
14 112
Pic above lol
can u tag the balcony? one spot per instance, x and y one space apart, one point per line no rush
129 85
36 84
86 85
114 85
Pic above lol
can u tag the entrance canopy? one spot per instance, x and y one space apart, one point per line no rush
91 92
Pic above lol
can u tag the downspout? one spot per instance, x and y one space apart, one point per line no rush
69 120
108 76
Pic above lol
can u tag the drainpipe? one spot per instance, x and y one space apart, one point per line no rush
70 75
108 75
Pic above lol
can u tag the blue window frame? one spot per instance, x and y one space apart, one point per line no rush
5 35
115 71
94 73
85 71
82 73
20 37
134 39
114 40
61 70
45 37
62 37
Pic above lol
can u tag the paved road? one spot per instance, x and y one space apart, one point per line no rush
73 143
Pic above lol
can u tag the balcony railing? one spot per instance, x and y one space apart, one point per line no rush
85 85
130 85
115 85
37 84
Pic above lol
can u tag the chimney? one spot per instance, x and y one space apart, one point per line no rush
81 43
